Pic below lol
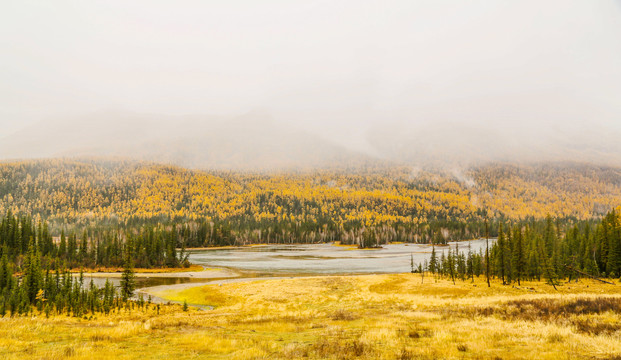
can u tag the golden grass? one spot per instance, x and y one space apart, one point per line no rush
356 247
226 247
192 268
350 246
341 317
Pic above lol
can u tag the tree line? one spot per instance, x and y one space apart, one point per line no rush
150 246
547 249
32 287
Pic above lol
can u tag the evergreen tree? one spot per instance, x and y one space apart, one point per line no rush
32 274
487 253
450 261
500 255
548 269
83 247
519 262
5 271
433 262
72 247
62 248
128 278
470 263
613 263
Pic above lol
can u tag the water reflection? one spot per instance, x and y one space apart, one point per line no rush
141 282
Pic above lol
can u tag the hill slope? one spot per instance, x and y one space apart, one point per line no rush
395 201
251 142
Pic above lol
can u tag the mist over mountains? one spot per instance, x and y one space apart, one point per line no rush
344 83
255 141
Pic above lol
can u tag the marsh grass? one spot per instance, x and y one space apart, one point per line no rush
339 317
552 308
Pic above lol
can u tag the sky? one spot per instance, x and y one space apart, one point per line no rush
341 69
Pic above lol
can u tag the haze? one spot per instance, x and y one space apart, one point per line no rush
277 83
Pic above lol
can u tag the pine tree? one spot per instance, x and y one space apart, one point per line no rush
72 247
451 265
83 247
171 255
62 248
32 275
443 267
550 244
500 255
487 253
548 270
470 263
433 262
613 263
108 297
518 255
421 270
5 271
127 278
508 255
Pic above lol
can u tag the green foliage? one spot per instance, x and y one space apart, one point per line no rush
542 249
52 293
128 283
150 246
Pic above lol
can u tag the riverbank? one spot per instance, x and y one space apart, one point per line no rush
199 273
112 270
227 247
335 243
398 316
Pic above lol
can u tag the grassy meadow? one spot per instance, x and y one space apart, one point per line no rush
340 317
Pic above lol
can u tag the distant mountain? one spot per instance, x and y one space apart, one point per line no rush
457 144
255 141
251 141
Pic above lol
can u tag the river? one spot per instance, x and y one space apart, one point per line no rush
324 258
268 261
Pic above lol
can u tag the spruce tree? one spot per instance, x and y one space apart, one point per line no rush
32 274
470 263
62 248
487 253
72 247
548 270
518 255
83 247
613 261
5 271
500 255
451 264
127 278
433 262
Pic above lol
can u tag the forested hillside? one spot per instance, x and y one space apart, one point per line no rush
363 205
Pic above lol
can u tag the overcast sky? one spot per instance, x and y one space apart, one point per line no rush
338 67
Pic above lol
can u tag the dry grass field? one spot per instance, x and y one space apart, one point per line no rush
341 317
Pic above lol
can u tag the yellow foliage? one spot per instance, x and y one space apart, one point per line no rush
78 190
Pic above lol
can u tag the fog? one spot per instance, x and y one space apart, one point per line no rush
277 83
